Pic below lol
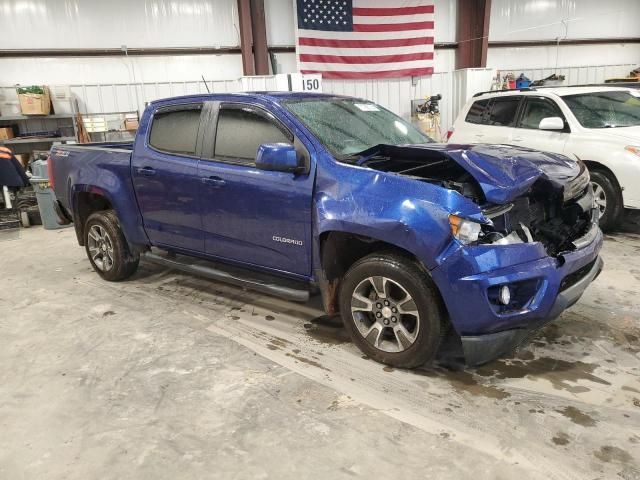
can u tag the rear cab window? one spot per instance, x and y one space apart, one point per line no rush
175 129
241 129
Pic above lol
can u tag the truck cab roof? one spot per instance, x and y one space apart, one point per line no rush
273 96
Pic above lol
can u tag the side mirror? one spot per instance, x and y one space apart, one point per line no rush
277 157
551 123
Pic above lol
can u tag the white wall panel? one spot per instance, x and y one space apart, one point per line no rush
33 24
286 62
101 98
280 22
581 75
543 19
567 55
394 94
66 70
445 20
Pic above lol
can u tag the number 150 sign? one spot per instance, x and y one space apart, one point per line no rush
306 83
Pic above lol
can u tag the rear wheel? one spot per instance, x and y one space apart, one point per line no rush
608 198
106 247
392 310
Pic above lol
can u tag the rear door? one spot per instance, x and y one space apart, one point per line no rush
500 119
527 133
249 215
165 176
472 128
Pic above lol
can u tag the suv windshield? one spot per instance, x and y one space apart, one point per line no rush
605 109
347 126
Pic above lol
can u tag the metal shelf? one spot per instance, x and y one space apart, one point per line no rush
13 118
15 141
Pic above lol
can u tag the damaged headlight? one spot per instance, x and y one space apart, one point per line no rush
465 231
578 184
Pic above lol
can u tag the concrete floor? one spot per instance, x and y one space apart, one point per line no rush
170 376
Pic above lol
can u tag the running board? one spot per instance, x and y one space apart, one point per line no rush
252 280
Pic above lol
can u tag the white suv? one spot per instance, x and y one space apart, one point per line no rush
598 125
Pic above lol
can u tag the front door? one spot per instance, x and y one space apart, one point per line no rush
527 133
166 180
253 216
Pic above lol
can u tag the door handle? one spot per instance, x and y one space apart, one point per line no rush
518 139
479 135
215 181
146 171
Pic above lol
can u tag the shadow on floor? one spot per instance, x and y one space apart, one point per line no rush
630 222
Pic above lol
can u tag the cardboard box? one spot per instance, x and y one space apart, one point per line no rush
35 103
131 124
6 133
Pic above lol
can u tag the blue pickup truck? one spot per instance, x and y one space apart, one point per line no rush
408 240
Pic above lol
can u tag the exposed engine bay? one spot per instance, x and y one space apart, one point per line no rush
548 212
542 216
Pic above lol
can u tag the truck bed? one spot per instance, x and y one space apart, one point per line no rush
102 169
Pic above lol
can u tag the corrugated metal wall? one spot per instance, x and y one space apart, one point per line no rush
394 94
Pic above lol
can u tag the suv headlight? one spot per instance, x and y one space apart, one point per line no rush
635 149
465 231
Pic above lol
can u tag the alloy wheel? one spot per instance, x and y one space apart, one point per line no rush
599 197
100 248
385 314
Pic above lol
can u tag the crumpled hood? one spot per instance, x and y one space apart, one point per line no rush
505 172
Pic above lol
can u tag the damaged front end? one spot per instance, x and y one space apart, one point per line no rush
526 255
554 216
524 196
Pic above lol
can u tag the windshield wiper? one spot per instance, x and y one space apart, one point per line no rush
353 158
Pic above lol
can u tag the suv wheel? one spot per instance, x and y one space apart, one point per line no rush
106 247
392 310
608 198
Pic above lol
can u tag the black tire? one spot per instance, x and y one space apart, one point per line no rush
427 302
115 261
610 218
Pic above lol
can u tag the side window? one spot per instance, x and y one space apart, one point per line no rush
477 112
241 131
537 108
175 129
503 111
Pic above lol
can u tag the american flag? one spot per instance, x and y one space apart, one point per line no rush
365 38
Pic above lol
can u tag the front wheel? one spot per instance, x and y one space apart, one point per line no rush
106 247
392 310
608 198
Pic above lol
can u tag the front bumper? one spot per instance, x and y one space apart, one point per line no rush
468 276
479 349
